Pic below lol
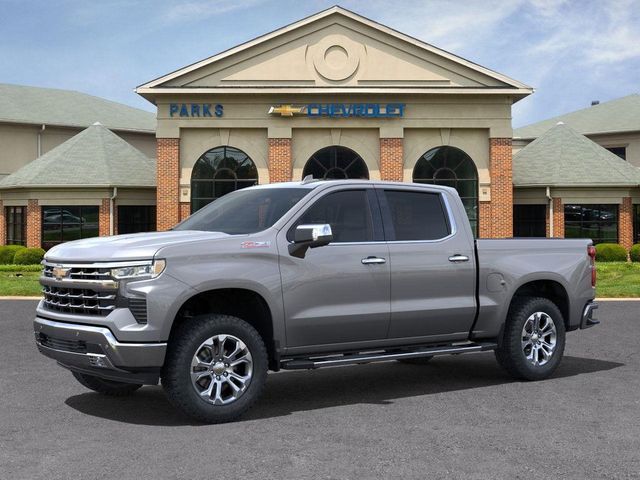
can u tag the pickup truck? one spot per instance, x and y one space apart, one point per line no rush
304 275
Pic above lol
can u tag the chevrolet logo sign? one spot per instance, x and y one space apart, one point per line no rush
287 110
59 272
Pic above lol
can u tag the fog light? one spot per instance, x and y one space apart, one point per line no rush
97 361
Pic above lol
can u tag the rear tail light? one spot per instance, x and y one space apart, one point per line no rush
591 251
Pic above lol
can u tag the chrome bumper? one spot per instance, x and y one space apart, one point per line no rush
587 315
95 351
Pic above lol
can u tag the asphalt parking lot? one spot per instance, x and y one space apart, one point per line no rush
458 417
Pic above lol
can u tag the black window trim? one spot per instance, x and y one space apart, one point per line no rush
374 206
388 222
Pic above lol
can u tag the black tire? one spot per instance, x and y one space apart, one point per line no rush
184 344
416 361
106 387
510 353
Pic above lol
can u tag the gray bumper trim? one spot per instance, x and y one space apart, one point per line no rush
587 315
108 358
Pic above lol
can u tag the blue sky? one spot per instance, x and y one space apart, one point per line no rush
571 52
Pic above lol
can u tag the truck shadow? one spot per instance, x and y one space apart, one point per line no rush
297 391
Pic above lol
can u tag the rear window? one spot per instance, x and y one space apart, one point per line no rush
417 215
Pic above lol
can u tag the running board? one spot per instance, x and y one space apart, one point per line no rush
382 356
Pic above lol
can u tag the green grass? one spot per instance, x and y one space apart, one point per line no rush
618 279
615 279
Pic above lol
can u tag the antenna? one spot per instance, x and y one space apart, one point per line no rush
307 179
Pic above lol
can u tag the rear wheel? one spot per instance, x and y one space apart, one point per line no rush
216 368
534 339
106 387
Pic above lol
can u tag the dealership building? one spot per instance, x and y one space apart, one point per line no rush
338 96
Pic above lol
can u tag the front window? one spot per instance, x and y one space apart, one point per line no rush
529 220
244 211
597 222
136 218
16 220
636 223
63 224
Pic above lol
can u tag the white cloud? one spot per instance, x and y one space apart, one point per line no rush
179 12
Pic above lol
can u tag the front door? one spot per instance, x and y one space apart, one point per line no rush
432 266
338 293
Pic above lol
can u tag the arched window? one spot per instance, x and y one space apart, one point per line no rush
219 171
336 163
451 167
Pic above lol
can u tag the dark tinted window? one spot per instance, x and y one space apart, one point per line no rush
63 224
416 216
636 224
597 222
244 211
348 212
136 218
619 151
16 219
336 163
529 220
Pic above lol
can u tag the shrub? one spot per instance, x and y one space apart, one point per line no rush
635 253
610 252
28 256
7 252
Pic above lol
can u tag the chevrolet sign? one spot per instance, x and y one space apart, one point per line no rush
341 110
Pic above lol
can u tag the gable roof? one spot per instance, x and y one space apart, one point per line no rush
95 157
167 83
619 115
562 157
68 108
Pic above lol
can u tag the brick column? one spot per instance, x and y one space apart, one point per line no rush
3 225
558 218
280 160
168 183
103 218
501 211
484 220
625 225
34 223
391 159
547 221
185 210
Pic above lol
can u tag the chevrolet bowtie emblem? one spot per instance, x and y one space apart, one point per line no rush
59 272
286 110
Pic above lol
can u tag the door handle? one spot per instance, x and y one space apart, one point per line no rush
373 260
458 258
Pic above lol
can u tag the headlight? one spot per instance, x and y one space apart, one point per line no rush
149 270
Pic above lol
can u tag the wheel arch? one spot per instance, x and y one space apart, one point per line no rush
550 289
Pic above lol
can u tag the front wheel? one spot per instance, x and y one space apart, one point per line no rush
534 339
216 368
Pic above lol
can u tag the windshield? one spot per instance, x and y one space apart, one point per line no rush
244 211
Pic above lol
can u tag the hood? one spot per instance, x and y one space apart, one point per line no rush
137 246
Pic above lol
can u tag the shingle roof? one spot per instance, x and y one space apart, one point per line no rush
95 157
49 106
619 115
563 157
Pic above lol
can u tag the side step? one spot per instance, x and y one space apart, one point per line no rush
382 356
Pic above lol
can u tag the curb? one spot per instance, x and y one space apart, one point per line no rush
16 297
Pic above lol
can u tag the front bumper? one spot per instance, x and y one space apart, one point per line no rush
95 351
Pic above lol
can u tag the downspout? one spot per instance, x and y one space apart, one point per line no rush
550 198
111 210
39 148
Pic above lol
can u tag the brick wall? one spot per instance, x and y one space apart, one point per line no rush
34 223
3 226
280 160
391 159
103 218
501 170
625 227
547 222
168 182
484 220
558 218
185 210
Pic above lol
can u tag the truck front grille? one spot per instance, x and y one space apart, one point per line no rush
80 273
80 301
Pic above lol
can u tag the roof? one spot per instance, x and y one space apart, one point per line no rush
564 157
95 157
68 108
511 86
619 115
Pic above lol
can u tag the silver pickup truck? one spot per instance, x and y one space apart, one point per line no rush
305 275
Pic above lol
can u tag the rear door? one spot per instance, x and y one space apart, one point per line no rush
338 293
432 265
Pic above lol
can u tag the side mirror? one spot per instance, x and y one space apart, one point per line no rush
310 236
